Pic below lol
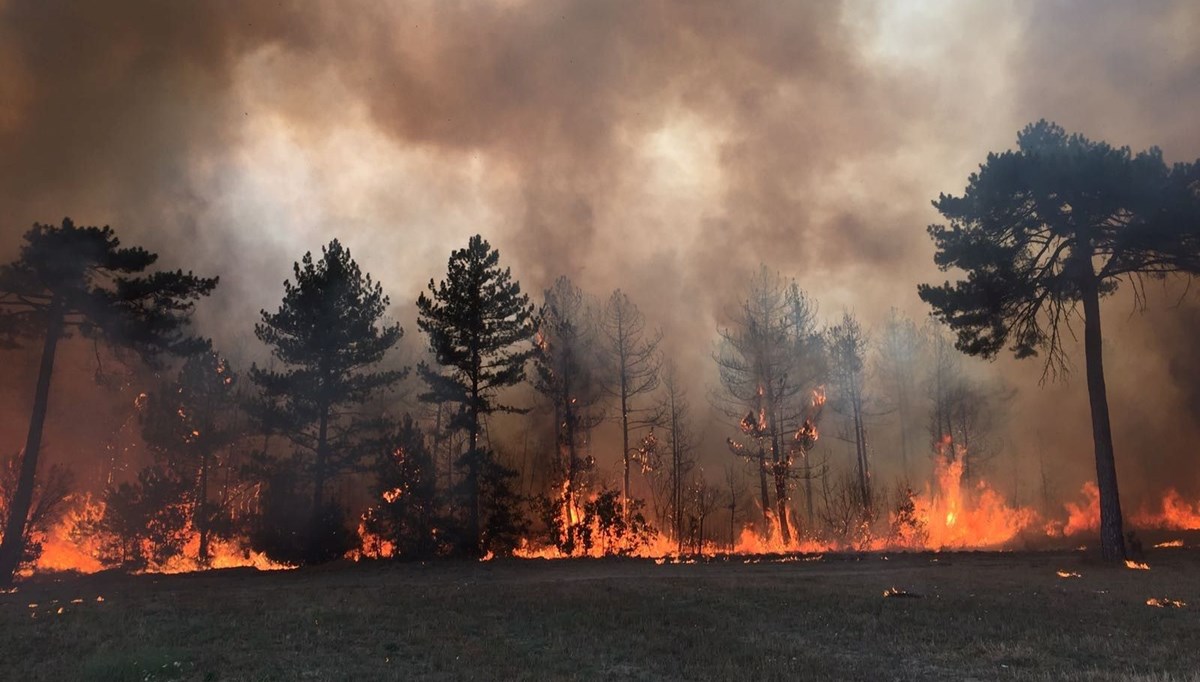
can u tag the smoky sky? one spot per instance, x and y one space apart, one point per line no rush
666 148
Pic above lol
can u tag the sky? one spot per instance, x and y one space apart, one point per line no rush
666 148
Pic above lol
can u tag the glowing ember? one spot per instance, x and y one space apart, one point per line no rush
1130 563
1165 603
1067 574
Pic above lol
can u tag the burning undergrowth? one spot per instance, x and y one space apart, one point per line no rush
947 514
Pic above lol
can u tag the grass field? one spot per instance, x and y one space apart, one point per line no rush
967 616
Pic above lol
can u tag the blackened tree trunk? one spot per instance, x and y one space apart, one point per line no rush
1112 539
762 482
319 466
13 546
475 458
780 470
202 515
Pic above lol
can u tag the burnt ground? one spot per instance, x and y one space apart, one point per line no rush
965 616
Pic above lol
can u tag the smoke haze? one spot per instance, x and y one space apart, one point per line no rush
666 148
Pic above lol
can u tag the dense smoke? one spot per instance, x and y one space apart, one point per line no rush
666 148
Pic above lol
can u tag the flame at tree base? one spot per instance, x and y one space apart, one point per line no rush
946 515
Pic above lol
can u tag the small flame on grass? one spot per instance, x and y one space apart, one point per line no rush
1067 574
1169 543
1138 566
1165 603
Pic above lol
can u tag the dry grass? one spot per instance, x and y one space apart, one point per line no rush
981 616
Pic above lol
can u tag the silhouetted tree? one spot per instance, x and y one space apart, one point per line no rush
943 377
900 350
631 367
1051 226
70 277
329 337
565 372
145 522
847 343
187 423
473 319
680 446
51 494
408 514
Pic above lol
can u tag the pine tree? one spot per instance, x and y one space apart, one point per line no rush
188 422
80 278
329 336
474 319
1042 233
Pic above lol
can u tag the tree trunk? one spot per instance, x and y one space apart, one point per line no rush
1112 538
318 503
808 491
780 470
762 484
12 548
474 459
860 450
624 449
902 408
202 514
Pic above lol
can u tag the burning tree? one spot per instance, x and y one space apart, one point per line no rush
80 278
1051 226
408 516
473 319
329 336
144 523
632 364
188 423
565 373
769 359
50 497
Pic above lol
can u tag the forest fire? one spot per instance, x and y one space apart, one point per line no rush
945 515
72 545
951 517
1174 513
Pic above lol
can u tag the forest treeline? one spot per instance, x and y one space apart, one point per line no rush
305 456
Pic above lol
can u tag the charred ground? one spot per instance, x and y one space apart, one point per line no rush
966 615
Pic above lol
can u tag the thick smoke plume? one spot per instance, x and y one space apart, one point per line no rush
667 148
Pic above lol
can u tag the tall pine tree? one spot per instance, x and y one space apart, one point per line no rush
475 319
330 338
